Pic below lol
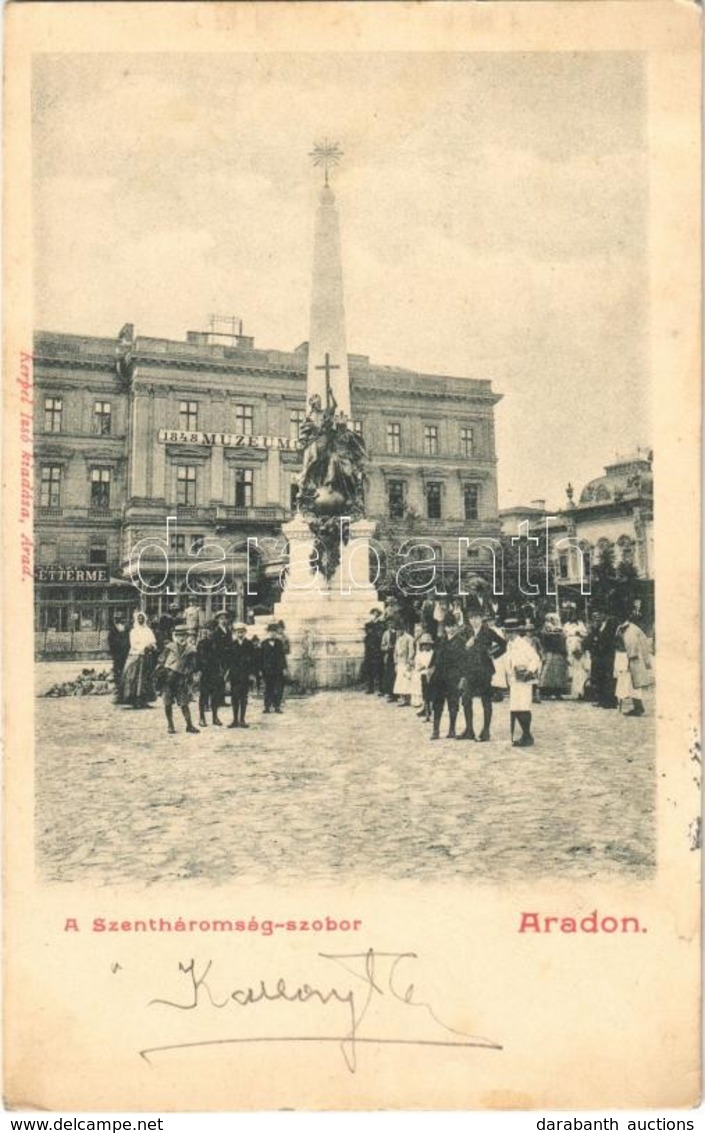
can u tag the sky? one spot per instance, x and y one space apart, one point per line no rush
493 209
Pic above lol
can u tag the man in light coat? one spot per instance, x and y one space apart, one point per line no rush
636 645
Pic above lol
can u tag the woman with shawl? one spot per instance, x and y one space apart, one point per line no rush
404 649
137 684
578 661
554 673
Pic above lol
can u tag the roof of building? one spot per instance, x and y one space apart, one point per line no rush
627 478
197 353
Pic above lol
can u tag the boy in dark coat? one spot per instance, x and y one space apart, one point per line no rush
446 672
481 649
374 661
272 664
241 665
178 661
208 663
222 640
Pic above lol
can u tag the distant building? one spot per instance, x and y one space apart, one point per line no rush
615 510
129 431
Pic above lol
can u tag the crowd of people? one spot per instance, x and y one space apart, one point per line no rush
436 656
443 654
183 652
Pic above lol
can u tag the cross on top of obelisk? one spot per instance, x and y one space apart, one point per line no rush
327 366
327 154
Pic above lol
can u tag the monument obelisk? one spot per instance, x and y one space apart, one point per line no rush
327 597
327 325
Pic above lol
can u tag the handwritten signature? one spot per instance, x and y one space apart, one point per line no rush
381 974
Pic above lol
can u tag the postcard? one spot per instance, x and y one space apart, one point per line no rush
351 516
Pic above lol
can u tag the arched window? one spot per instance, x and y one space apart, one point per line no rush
625 546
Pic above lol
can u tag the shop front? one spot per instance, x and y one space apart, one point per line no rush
74 606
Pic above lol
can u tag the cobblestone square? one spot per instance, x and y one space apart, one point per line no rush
341 785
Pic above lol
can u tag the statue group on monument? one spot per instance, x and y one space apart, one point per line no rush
330 484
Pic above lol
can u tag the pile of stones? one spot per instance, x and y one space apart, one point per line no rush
91 682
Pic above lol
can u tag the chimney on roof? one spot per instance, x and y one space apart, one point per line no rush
540 505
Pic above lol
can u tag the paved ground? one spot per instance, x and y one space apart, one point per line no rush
341 785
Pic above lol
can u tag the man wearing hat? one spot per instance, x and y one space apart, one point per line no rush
166 623
388 646
210 693
601 644
178 660
272 665
445 674
481 649
240 668
222 640
374 631
119 646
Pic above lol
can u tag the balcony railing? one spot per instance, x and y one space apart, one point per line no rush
192 511
70 512
267 513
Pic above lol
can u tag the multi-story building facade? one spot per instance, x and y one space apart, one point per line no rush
132 431
613 512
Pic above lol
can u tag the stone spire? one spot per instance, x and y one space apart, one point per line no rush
327 328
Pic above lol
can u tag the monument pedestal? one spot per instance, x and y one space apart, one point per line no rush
325 619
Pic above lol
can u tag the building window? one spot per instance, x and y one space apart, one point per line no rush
186 485
626 549
102 419
243 419
243 487
395 496
97 554
50 486
394 437
46 554
296 420
467 442
433 501
357 428
188 416
430 440
471 495
100 488
178 544
53 408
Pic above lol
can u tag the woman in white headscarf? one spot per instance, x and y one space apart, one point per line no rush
137 684
578 660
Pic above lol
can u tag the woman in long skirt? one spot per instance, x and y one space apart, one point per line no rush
420 694
137 683
554 672
578 661
404 649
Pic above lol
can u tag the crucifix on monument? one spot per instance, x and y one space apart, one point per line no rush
327 366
